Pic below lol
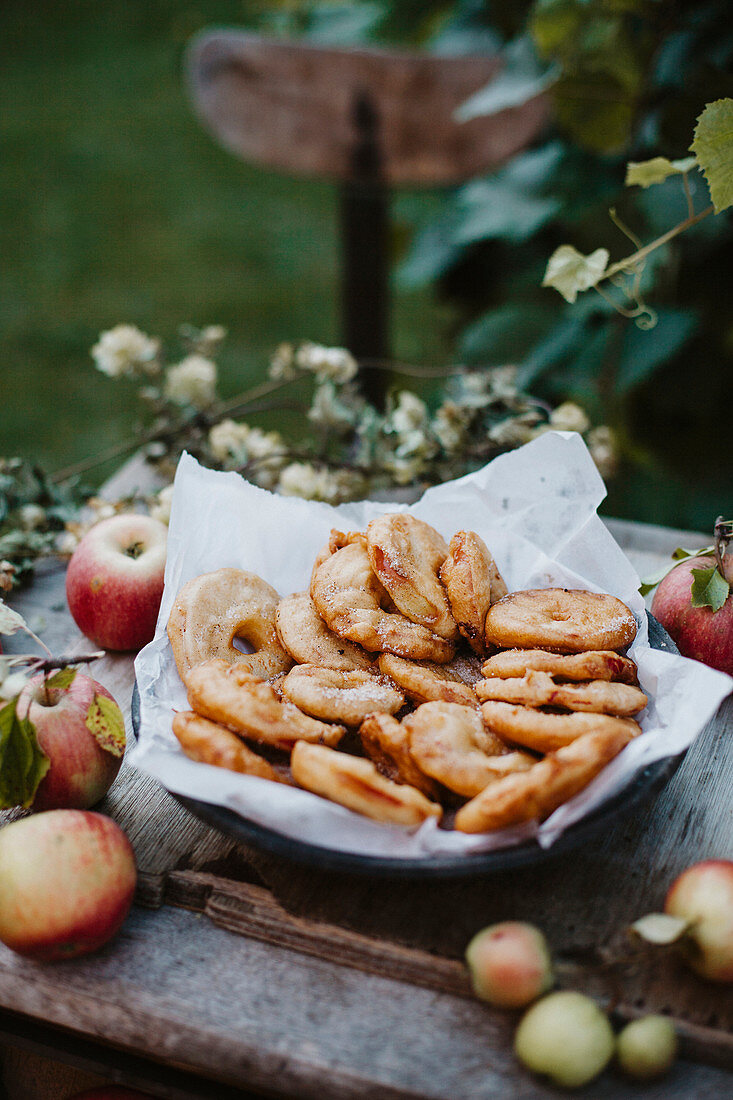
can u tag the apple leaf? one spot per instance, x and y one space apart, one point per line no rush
709 589
10 620
645 173
713 147
569 271
62 679
660 928
680 554
106 724
23 763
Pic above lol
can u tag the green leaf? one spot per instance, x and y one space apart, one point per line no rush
62 679
570 272
645 173
23 763
680 554
504 213
709 589
713 147
106 724
505 335
521 79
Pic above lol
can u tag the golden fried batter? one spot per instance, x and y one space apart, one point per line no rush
595 664
308 640
537 792
545 732
229 694
538 689
560 619
473 583
348 595
338 696
355 783
424 681
406 555
387 742
213 609
209 743
449 743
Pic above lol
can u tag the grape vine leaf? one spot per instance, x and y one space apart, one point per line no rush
709 589
521 79
570 272
680 554
713 147
105 722
23 763
645 173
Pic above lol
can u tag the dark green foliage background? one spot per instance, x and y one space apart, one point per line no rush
117 206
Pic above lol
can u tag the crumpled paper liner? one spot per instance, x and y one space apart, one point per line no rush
535 508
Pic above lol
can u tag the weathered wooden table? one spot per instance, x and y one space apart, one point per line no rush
238 970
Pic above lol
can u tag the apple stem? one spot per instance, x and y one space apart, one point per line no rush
723 535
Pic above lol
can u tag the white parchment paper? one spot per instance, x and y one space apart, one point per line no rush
536 510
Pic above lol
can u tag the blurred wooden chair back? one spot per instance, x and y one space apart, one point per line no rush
367 119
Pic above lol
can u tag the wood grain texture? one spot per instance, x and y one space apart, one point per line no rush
294 106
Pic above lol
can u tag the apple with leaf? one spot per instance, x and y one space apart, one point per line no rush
62 735
693 600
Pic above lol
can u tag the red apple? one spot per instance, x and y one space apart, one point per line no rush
114 582
703 895
699 632
83 739
67 879
510 964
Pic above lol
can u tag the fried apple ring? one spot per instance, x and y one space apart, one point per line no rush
387 743
232 696
449 743
213 609
560 619
473 583
338 696
308 640
356 784
538 689
347 595
209 743
406 555
537 792
592 665
424 681
545 732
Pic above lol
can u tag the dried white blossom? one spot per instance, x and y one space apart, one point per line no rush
569 417
450 425
473 389
282 364
125 350
329 410
192 382
328 364
604 450
405 469
213 334
503 382
409 414
11 684
303 479
516 430
160 506
228 442
31 516
67 542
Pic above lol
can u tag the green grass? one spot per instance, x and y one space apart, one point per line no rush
118 206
